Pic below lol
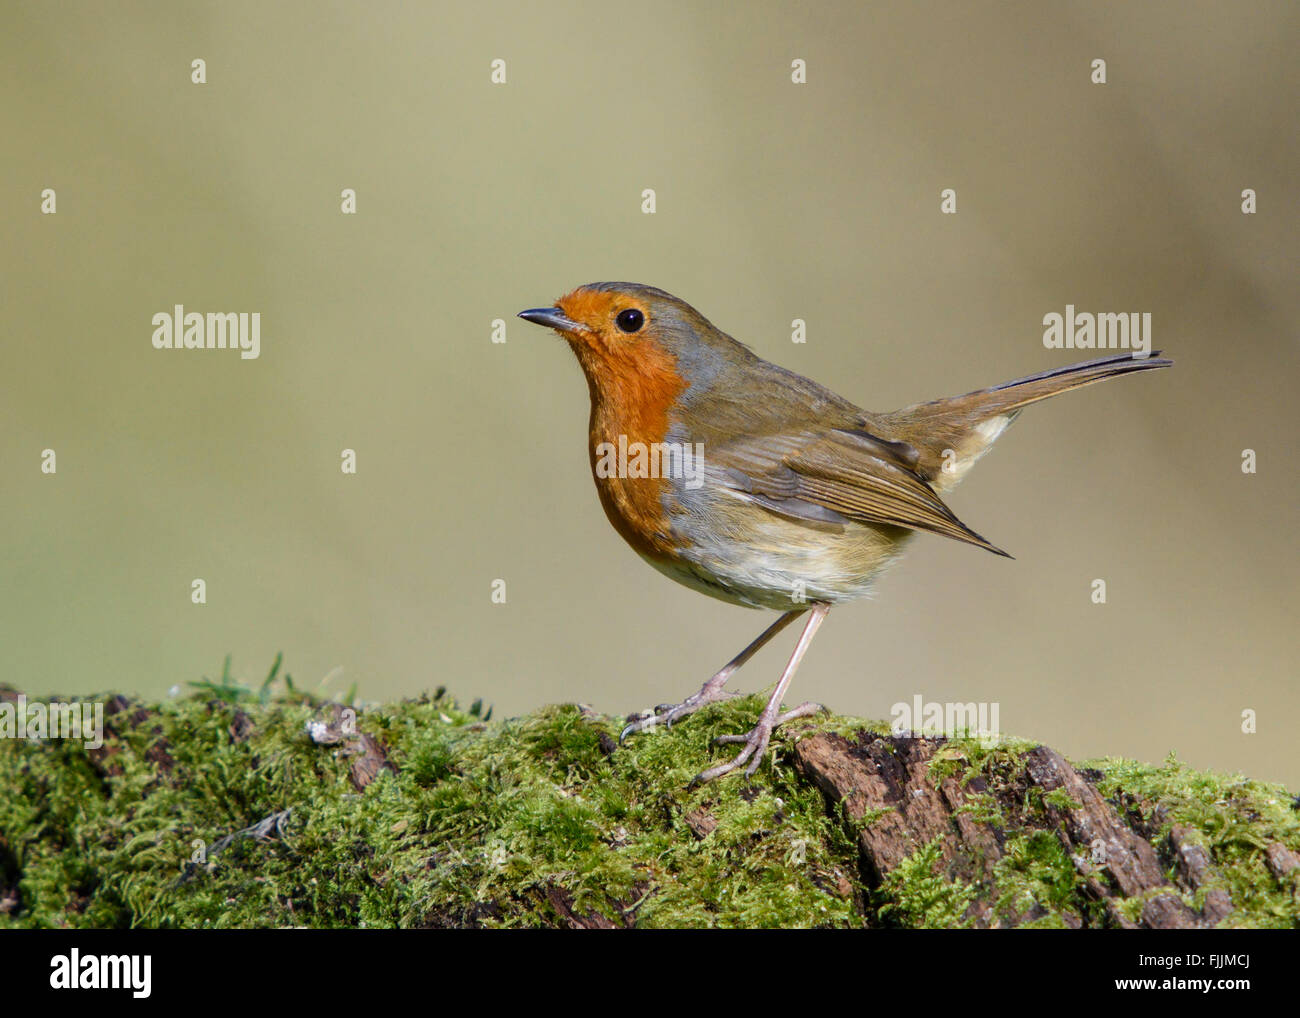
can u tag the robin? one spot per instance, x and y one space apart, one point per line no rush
760 487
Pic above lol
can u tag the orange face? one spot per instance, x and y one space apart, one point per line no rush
616 328
634 383
632 375
609 316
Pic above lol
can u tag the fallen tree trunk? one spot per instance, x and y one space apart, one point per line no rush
888 781
234 809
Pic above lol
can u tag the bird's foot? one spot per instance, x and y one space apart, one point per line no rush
755 742
668 713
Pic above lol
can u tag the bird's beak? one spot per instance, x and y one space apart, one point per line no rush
552 318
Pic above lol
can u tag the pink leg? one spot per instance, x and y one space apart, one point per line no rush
757 739
711 691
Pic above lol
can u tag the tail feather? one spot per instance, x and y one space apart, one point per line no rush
999 399
1023 391
968 424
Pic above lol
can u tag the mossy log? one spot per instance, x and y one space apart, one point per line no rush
236 809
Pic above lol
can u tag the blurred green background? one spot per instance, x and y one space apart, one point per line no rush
775 201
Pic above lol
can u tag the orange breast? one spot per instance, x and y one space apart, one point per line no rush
632 393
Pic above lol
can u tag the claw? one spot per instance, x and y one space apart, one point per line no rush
755 741
636 723
712 690
667 714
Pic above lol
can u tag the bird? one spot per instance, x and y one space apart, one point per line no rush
763 488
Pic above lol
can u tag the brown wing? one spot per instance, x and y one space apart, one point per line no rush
836 475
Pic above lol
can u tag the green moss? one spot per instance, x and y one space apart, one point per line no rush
998 760
1037 876
868 817
1061 799
1234 817
482 822
531 821
983 808
916 894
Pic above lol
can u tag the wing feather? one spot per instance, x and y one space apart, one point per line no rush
838 475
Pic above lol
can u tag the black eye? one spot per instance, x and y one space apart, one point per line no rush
630 320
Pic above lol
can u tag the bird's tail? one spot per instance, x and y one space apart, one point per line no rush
1023 391
968 424
1008 396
